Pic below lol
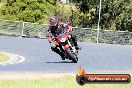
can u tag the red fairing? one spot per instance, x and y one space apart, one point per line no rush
66 46
49 38
58 40
65 36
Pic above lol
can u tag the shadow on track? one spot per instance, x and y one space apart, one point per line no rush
61 62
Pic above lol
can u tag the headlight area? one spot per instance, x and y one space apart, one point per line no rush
63 39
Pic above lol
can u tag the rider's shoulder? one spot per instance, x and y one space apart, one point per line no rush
60 23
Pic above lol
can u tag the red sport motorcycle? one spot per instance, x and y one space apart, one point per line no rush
66 46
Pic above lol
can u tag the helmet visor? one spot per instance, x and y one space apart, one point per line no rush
53 23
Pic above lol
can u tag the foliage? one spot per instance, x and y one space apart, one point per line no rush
27 10
35 10
115 14
70 13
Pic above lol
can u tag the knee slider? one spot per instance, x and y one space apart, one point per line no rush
53 48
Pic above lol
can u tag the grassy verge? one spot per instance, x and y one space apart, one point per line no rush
59 82
4 57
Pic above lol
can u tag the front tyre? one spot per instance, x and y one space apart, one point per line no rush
71 55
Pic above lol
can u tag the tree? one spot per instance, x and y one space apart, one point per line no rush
115 14
27 10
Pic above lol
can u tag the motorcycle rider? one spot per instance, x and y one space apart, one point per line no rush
56 28
68 28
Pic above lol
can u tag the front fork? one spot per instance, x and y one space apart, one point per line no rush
66 46
69 45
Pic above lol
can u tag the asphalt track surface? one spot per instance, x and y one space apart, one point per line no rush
92 57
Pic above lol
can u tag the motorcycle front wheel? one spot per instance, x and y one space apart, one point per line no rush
71 55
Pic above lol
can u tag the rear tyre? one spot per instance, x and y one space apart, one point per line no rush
71 55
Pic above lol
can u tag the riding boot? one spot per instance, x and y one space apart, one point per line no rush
76 45
73 37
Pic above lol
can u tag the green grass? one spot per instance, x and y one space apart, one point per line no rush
61 82
4 57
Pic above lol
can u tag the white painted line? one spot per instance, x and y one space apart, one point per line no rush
13 59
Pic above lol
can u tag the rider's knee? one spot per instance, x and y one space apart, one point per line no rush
53 48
